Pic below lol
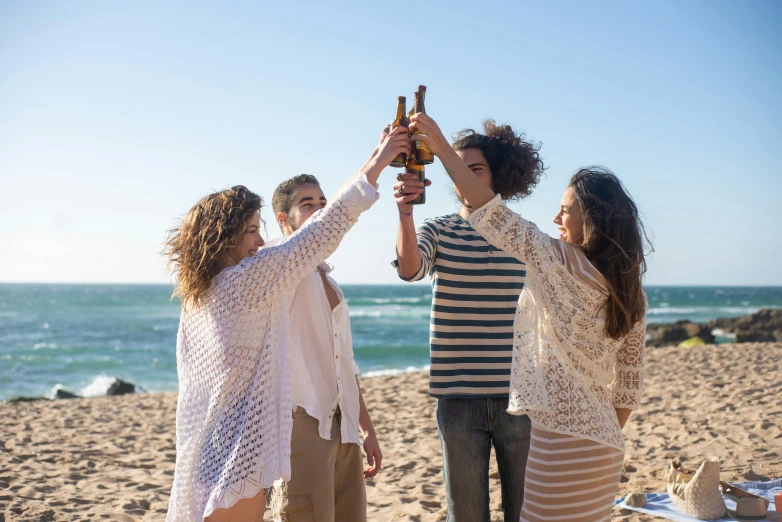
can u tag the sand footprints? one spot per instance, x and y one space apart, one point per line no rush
113 458
88 459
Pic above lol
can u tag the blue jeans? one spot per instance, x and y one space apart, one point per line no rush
467 429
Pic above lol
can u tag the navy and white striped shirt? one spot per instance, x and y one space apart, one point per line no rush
475 291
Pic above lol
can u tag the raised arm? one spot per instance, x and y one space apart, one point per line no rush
476 193
420 245
410 259
281 267
498 224
512 233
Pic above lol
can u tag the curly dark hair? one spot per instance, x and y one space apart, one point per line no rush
515 164
207 232
614 238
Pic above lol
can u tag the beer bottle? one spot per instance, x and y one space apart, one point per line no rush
413 167
423 154
400 121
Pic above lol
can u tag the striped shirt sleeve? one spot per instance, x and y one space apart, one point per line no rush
427 235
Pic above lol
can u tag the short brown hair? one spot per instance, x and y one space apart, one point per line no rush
282 200
209 230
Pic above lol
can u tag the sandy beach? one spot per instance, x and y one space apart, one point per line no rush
112 458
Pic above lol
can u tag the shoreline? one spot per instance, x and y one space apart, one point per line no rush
113 457
45 341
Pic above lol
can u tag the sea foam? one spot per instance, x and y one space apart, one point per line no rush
395 371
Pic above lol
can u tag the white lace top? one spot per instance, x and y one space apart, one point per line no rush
233 418
567 374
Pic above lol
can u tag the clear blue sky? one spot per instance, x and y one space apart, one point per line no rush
115 117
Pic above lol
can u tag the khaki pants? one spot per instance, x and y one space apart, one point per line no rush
327 477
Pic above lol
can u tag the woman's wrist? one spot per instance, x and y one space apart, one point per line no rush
372 170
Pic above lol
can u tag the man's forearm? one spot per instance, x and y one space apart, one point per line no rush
364 420
473 190
407 254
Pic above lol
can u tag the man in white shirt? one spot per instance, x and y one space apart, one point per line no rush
327 476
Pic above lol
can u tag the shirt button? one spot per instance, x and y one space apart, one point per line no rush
337 356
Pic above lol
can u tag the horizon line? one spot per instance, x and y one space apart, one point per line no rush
400 283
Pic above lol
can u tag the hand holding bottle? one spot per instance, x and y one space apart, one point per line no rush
406 189
429 132
393 143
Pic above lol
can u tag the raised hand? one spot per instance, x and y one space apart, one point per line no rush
430 133
406 189
391 144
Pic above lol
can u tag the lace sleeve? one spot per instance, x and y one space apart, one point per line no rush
281 267
629 369
510 232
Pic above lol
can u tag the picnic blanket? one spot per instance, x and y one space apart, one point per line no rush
660 505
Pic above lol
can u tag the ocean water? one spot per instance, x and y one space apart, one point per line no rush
80 336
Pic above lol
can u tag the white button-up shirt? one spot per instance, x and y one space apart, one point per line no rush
323 367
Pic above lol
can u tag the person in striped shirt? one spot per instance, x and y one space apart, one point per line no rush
475 289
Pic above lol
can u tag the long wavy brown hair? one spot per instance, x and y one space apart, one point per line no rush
197 247
614 238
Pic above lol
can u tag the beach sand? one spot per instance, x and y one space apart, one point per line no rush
112 458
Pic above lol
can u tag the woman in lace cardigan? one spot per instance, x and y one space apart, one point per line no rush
234 409
579 332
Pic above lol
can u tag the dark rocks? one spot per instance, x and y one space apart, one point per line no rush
763 326
120 387
767 319
26 399
757 336
65 394
672 334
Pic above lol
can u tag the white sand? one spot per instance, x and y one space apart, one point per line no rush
113 458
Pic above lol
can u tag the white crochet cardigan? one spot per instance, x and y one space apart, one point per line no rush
567 374
233 418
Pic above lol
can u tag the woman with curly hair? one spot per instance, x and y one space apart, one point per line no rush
475 290
578 335
235 405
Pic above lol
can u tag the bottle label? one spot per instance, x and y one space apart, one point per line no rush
420 145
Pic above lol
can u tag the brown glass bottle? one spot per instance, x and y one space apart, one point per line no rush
413 167
423 154
400 121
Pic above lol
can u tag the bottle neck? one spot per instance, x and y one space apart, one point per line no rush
419 103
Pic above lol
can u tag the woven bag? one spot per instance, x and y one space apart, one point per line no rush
697 493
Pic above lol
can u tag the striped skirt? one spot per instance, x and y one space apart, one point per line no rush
570 479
